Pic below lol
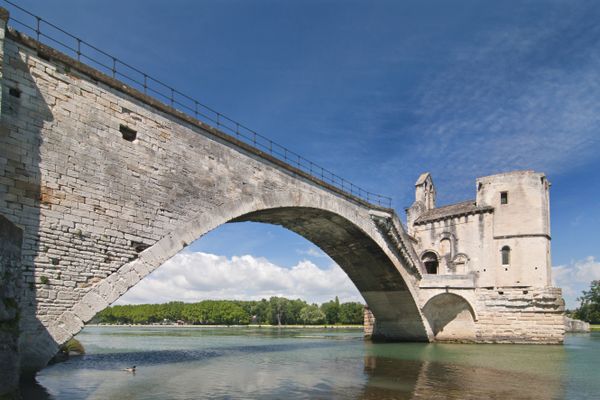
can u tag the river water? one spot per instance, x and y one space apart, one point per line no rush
270 363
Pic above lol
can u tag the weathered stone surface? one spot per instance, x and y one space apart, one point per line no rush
10 260
469 291
511 212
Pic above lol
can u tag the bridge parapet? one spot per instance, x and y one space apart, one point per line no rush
393 230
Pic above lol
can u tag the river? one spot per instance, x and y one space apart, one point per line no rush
267 363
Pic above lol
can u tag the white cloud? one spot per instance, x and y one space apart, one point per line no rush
575 277
313 252
198 276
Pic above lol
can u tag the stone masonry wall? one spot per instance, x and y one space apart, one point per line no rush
368 322
520 316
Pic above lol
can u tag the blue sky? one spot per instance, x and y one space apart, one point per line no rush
380 91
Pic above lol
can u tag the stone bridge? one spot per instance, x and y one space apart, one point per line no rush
101 184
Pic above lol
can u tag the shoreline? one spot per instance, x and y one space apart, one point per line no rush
228 326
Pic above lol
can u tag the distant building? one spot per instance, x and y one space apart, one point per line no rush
500 239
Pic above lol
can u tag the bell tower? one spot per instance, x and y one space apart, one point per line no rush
424 199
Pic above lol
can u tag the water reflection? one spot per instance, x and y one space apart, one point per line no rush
444 371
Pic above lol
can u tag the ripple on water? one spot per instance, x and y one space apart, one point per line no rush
266 364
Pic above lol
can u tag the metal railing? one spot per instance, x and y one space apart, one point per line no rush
56 37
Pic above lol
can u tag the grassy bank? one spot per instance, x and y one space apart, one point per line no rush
595 328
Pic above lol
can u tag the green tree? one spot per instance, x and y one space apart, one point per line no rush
261 311
311 314
293 309
589 309
352 313
278 306
331 309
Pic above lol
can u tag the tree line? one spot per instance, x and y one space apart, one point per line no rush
275 311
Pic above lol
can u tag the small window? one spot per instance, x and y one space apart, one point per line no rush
505 255
503 197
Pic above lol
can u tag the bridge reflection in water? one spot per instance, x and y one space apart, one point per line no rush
441 371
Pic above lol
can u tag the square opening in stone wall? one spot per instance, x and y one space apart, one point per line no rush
128 133
14 92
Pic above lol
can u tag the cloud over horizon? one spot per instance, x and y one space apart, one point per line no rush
198 276
575 277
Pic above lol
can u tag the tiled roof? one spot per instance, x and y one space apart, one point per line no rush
452 210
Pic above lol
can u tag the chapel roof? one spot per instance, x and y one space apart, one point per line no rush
452 210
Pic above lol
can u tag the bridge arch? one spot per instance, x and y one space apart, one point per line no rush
345 232
451 317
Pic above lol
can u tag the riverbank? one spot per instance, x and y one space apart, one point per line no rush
231 326
595 328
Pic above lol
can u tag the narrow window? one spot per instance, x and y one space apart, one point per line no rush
503 197
505 255
128 133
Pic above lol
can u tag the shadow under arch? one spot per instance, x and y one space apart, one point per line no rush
451 317
342 230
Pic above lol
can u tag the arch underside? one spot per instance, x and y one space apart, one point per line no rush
366 264
451 317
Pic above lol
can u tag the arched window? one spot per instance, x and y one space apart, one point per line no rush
431 262
505 255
